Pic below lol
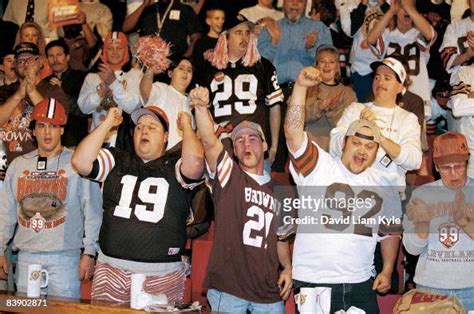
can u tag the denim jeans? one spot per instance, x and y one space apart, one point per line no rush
345 295
228 303
465 295
63 272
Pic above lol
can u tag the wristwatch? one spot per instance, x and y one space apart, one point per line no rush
91 256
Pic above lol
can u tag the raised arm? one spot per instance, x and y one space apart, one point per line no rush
418 20
132 20
91 93
199 99
192 153
295 114
275 122
380 27
193 38
32 79
125 98
88 33
88 149
8 107
146 84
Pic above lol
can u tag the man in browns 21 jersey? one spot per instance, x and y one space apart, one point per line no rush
243 271
243 85
341 255
146 203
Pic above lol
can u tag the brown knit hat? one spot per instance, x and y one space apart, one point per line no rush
450 147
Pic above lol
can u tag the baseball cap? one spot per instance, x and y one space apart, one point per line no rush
26 48
247 125
153 111
395 65
450 147
235 20
49 110
357 124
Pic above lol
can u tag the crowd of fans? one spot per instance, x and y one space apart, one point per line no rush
101 155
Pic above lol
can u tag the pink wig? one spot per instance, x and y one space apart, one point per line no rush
219 57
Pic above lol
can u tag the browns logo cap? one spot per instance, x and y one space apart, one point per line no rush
395 65
450 147
153 111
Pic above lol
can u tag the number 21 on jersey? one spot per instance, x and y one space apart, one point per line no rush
263 223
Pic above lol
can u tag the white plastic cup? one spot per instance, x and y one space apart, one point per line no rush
314 300
135 290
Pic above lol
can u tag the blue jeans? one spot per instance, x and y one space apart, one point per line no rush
63 272
345 295
224 302
465 295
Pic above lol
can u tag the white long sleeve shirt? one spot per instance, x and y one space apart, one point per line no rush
462 107
397 124
172 102
125 91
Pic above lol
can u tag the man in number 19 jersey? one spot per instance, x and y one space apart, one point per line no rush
146 203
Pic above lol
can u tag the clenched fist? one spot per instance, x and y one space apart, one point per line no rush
308 76
199 97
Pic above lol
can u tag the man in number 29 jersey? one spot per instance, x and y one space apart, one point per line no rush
338 255
243 86
146 203
243 271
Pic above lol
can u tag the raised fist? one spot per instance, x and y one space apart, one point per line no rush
184 119
114 116
308 76
199 97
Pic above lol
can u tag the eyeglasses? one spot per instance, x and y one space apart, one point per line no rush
456 168
25 61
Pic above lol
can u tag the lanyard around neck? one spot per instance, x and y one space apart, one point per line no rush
158 16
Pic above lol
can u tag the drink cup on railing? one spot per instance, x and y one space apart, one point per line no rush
37 279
